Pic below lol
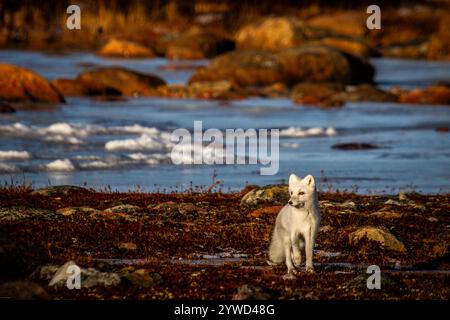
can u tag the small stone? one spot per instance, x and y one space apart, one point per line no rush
386 214
142 277
76 210
250 292
354 146
127 246
275 194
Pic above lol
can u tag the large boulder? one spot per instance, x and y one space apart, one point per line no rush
379 235
197 44
128 82
435 94
276 33
357 48
245 68
288 66
61 190
125 49
324 64
75 88
271 194
439 44
6 108
349 23
18 84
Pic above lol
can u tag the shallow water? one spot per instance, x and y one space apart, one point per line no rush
126 144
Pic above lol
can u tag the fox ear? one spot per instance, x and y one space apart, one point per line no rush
309 180
294 178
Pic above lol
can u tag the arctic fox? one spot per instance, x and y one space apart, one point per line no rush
296 226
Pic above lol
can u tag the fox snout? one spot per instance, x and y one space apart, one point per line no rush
295 203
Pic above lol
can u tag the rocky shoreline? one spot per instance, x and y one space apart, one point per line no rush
212 245
316 57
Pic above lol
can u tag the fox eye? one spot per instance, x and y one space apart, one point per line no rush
301 193
291 193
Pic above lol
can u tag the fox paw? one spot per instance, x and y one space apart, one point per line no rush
310 269
271 263
289 276
297 262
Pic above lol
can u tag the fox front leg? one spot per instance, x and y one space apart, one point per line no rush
296 250
309 250
290 268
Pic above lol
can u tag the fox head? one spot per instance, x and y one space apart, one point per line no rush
301 190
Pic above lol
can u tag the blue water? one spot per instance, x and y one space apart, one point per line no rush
412 154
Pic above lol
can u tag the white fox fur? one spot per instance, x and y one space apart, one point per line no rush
296 226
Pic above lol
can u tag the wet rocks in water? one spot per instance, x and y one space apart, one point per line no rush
58 190
274 194
200 90
317 94
335 94
23 85
125 49
288 66
354 146
23 290
367 92
75 88
250 292
245 68
439 45
90 277
379 235
435 94
6 108
315 63
128 82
